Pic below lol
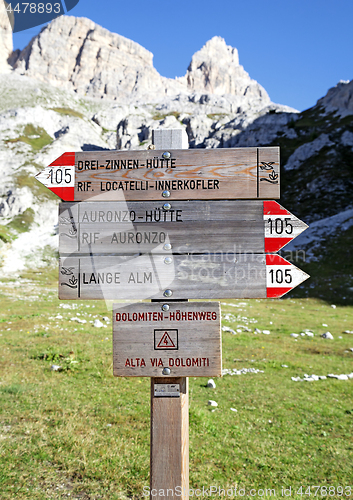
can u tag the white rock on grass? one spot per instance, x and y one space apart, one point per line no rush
56 368
266 332
97 323
212 403
241 371
342 376
309 378
79 320
233 409
228 329
211 384
294 335
327 335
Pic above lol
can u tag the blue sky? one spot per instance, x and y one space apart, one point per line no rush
296 49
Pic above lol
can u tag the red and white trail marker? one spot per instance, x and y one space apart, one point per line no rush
281 226
282 276
59 177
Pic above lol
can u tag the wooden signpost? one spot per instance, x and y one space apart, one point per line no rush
197 174
181 341
123 228
171 225
158 276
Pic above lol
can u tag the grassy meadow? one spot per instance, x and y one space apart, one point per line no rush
83 434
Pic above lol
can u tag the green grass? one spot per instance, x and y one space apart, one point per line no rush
216 116
19 224
161 116
36 137
68 112
82 431
6 235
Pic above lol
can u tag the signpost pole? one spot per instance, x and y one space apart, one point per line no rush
170 200
169 458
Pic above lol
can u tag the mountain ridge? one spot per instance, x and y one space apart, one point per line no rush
39 121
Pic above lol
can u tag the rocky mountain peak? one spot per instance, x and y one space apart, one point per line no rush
75 53
217 49
216 69
339 98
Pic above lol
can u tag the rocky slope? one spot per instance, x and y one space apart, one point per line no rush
78 87
6 46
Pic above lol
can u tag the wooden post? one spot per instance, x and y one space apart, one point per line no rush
169 462
170 441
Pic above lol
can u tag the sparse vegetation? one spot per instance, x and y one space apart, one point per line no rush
22 222
68 112
216 116
36 137
6 235
161 116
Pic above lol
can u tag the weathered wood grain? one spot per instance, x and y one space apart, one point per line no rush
186 339
187 174
123 228
205 276
169 464
170 441
148 276
189 226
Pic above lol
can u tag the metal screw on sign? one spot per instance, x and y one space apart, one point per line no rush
168 293
166 194
166 371
167 246
167 206
168 260
166 155
165 307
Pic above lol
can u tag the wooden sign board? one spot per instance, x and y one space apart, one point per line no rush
123 228
185 340
155 276
179 174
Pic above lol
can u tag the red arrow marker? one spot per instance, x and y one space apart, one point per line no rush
282 276
281 226
59 177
